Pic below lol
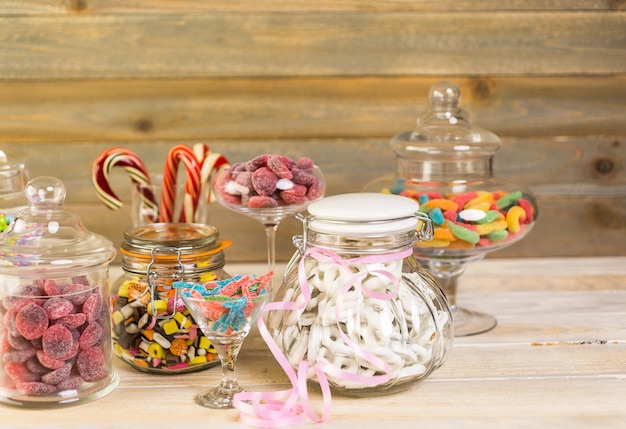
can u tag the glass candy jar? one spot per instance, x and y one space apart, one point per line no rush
446 164
13 178
152 328
55 337
366 313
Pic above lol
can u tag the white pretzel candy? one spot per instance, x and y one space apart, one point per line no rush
400 331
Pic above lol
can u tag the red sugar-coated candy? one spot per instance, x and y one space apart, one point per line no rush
256 163
525 204
49 362
450 215
18 342
31 321
315 191
305 163
220 188
5 346
262 202
180 306
57 307
19 355
292 197
303 177
244 179
92 307
8 321
90 336
16 302
264 181
281 166
36 343
77 293
36 388
32 289
51 288
57 341
299 190
58 375
73 320
19 372
36 367
90 364
83 280
70 383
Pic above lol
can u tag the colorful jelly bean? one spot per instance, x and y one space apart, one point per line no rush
472 219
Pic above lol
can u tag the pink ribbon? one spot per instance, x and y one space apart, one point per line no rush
292 406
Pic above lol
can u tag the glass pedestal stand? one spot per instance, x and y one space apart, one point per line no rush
447 273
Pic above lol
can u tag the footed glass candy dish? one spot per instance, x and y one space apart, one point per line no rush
446 165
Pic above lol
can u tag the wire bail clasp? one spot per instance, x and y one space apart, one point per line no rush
153 278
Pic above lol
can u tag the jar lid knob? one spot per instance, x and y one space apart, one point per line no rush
45 191
444 96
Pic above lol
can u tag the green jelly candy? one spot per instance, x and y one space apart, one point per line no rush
497 235
463 233
509 200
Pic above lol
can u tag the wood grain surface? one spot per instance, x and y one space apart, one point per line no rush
334 80
555 359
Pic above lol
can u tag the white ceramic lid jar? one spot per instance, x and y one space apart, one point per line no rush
368 315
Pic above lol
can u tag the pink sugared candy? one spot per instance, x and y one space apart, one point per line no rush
269 181
31 321
57 342
91 364
53 337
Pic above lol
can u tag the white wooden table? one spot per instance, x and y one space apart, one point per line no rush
556 359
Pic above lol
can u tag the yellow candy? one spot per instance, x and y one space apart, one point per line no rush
123 290
156 351
207 277
160 305
443 234
484 206
483 197
170 327
496 225
204 343
513 217
117 317
182 320
198 360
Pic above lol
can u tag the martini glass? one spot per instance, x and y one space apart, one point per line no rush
225 321
231 198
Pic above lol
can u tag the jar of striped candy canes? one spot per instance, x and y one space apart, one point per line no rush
354 304
152 329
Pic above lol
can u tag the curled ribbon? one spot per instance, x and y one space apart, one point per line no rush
293 406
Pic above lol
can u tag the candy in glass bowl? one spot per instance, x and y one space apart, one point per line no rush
446 165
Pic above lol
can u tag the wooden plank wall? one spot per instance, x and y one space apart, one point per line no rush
333 79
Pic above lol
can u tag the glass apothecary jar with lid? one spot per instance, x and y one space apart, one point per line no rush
54 319
152 328
362 309
446 164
